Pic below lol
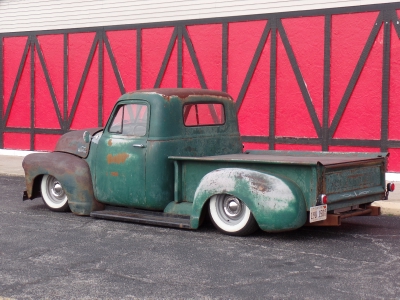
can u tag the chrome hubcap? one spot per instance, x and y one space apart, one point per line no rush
56 192
230 209
232 206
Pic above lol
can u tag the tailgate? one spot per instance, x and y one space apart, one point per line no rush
354 183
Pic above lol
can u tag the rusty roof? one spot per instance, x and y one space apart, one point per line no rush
183 92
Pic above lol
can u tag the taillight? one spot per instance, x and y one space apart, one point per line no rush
390 186
322 199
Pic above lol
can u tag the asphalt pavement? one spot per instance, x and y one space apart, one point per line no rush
48 255
12 165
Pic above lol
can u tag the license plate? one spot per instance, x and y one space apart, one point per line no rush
318 213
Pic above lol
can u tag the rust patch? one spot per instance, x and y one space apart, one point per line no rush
184 94
259 184
117 159
109 142
114 174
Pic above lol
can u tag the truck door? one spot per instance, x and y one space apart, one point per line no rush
121 157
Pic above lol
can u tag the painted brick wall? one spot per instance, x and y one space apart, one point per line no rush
315 80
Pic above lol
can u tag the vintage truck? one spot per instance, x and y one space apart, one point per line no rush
168 156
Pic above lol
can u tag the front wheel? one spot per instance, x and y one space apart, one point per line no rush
53 194
231 216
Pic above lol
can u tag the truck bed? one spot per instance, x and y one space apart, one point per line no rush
348 179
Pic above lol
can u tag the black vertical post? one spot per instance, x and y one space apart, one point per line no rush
180 56
1 93
272 85
65 102
225 33
101 78
32 129
385 80
327 82
138 58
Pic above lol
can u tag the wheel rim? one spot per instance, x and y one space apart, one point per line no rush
55 191
230 209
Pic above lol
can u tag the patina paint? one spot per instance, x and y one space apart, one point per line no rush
73 174
72 142
183 208
120 171
277 204
143 177
176 168
119 158
194 169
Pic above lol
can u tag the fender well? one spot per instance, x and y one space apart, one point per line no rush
73 173
276 203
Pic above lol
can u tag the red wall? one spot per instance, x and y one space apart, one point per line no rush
320 82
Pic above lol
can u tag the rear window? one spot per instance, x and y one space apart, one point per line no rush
203 114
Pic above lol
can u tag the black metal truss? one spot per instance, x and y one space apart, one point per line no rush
387 17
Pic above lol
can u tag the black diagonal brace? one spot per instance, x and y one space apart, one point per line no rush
299 78
17 80
114 64
83 79
48 80
253 65
166 58
356 75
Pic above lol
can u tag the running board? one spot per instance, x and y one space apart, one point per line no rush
336 219
142 217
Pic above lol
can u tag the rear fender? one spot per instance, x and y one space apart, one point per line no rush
276 203
73 174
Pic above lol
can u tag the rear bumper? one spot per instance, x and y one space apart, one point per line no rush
335 219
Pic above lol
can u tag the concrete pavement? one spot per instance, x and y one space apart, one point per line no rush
11 164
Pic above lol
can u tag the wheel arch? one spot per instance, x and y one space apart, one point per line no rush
73 174
35 193
276 203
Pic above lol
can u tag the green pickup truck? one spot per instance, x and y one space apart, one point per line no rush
167 157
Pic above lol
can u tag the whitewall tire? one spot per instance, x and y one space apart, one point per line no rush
231 216
53 194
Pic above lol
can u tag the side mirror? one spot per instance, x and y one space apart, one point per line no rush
86 136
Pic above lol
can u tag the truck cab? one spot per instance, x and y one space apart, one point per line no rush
129 159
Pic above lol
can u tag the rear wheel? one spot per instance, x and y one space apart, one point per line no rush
53 194
231 216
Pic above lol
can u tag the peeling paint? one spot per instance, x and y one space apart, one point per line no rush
72 142
269 191
117 159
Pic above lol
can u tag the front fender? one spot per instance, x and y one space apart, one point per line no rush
276 203
73 174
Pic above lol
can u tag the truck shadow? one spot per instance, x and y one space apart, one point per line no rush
371 226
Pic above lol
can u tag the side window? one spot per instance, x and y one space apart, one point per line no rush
203 114
130 119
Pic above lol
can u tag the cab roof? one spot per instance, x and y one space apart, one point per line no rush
180 93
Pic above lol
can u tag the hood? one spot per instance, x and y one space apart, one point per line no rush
72 142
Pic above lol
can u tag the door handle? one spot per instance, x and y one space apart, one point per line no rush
139 146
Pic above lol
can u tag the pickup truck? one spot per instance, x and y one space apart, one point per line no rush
168 157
